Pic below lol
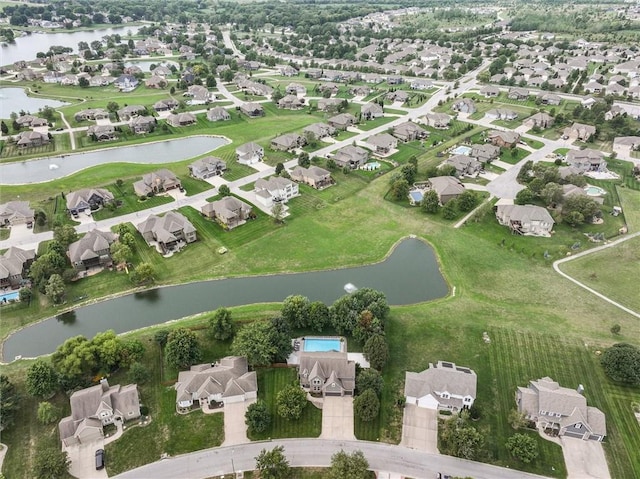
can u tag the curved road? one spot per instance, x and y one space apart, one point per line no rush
317 453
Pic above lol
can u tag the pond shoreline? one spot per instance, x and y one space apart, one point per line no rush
131 292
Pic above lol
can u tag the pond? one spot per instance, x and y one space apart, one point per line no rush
409 275
52 168
27 47
16 99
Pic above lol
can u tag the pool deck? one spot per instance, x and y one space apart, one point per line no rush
294 357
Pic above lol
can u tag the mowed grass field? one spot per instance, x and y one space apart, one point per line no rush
613 272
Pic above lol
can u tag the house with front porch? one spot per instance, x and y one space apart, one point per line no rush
249 153
409 131
319 130
447 187
216 384
16 213
464 165
579 131
207 167
314 176
527 220
31 139
218 114
88 199
560 410
102 132
169 231
485 152
291 102
252 110
464 105
288 142
327 373
440 121
586 160
14 266
369 111
442 386
351 156
181 119
92 250
505 139
160 181
541 120
228 211
142 124
95 407
275 190
342 121
128 112
383 143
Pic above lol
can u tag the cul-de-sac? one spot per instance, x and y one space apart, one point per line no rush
309 239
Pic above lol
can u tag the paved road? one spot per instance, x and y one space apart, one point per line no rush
317 453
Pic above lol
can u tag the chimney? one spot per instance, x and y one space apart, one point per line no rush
105 384
580 389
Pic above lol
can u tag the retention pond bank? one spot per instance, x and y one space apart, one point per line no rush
409 275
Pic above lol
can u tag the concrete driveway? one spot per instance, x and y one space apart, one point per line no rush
420 429
83 460
20 232
337 418
584 459
235 430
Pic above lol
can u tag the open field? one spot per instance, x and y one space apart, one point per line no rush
612 272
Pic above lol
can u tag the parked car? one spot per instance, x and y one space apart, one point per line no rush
100 459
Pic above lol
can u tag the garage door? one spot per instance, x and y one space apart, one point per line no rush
573 434
332 394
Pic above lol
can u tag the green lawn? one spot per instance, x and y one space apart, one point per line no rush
513 156
535 144
270 381
371 124
611 272
130 201
630 202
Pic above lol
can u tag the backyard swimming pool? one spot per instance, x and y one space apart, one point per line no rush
461 150
372 165
316 345
11 296
591 190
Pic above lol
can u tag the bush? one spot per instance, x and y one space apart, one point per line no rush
257 417
522 447
621 362
291 401
367 406
138 373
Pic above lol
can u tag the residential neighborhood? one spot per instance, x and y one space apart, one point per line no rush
335 238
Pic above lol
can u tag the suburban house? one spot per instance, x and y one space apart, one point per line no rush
624 145
579 131
441 386
207 167
447 187
249 153
291 102
167 104
92 250
199 95
398 96
228 211
549 98
383 143
505 139
169 231
288 71
142 124
31 139
501 114
252 110
224 382
313 176
464 105
517 93
102 132
88 199
126 83
528 220
351 156
421 84
95 407
439 121
586 160
295 89
485 152
369 111
157 182
327 373
319 130
490 91
14 266
30 121
155 81
218 114
561 410
329 104
409 131
128 112
342 121
16 213
287 142
464 165
540 120
181 119
275 190
92 114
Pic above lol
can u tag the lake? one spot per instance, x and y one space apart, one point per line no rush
16 99
410 274
54 167
27 47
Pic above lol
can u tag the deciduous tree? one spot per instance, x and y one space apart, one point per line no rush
522 447
273 464
367 405
291 401
376 351
621 362
54 289
48 413
221 325
369 379
182 349
41 380
430 202
9 402
349 466
254 341
257 418
50 463
295 310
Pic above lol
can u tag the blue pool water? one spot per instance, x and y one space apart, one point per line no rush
462 150
594 190
372 165
12 296
322 345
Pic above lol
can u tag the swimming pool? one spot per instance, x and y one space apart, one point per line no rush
316 345
461 150
591 190
11 296
372 165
